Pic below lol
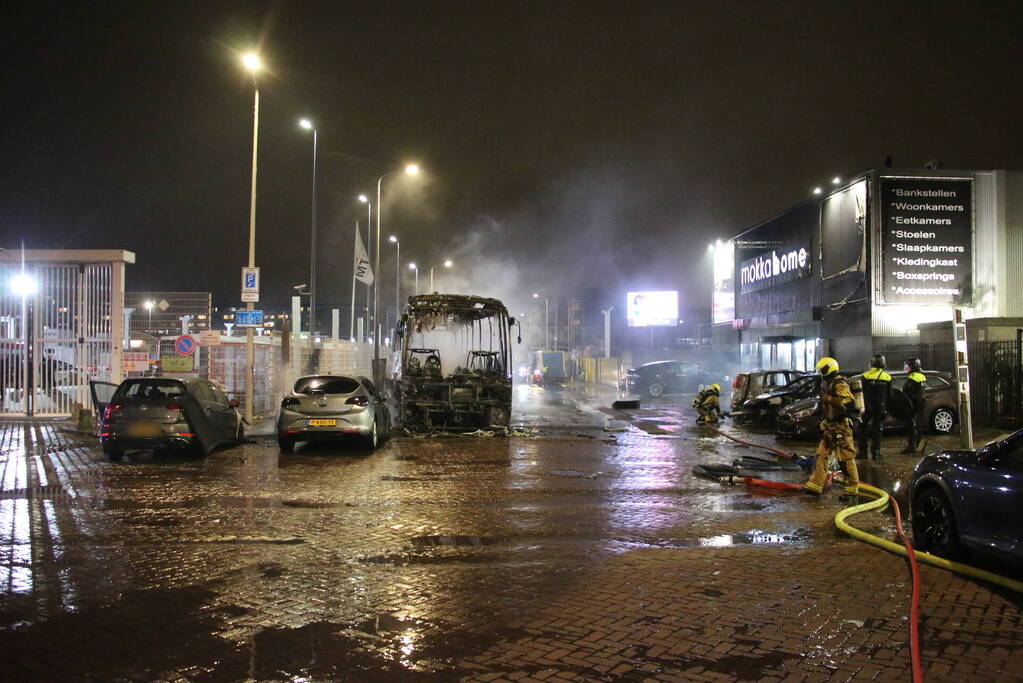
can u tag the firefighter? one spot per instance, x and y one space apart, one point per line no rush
877 389
836 431
708 404
914 390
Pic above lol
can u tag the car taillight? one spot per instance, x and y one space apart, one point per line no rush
173 406
358 401
289 401
111 407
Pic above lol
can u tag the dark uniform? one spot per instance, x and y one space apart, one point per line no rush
836 430
877 389
914 390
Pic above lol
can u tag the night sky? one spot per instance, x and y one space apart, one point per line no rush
567 146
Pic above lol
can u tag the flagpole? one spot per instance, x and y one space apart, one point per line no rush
355 266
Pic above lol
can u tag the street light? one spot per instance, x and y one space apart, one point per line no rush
254 64
447 264
24 285
546 319
397 275
148 305
410 169
308 125
414 267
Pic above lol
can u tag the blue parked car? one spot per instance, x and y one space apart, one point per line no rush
963 500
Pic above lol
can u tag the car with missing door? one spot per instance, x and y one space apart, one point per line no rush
970 500
191 416
332 408
940 413
760 395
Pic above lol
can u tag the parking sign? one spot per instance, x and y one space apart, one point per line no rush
250 284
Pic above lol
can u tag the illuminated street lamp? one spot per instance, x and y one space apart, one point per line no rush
24 285
817 190
148 305
414 267
447 264
397 275
254 64
546 318
410 169
308 125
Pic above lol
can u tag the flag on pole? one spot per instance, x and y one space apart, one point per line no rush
363 272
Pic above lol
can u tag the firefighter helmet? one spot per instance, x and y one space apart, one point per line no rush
878 361
715 387
827 365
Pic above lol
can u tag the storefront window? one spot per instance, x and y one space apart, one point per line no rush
799 354
783 352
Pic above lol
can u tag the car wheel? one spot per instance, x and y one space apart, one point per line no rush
942 421
934 524
113 452
285 444
373 439
656 389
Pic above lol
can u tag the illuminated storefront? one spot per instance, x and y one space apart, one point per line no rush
868 262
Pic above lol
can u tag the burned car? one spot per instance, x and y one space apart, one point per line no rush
451 365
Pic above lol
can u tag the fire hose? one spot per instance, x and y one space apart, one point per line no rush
881 500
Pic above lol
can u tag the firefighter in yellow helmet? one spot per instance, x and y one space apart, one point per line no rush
708 404
836 431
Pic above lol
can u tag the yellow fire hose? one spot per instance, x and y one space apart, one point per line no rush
879 503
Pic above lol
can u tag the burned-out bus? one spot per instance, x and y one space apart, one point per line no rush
451 365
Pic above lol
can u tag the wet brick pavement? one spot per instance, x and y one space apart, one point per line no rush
569 554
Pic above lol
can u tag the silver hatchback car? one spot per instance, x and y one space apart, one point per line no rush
332 408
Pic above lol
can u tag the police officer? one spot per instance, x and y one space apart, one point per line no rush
914 390
836 431
708 404
877 389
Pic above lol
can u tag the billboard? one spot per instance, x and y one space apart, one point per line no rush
723 300
652 309
927 240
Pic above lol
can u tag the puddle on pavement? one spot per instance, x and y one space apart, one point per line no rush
755 537
456 541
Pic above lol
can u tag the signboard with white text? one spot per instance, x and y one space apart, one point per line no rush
770 268
927 241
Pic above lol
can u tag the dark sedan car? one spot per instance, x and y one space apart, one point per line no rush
970 500
668 377
940 413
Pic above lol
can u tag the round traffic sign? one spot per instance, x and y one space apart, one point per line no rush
185 345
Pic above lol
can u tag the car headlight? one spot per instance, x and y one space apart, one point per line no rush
776 401
800 414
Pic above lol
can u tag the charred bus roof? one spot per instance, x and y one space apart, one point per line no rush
463 307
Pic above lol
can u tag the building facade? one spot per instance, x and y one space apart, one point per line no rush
867 264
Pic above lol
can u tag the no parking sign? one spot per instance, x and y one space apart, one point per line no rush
185 345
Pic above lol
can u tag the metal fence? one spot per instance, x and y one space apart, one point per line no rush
275 369
56 333
996 375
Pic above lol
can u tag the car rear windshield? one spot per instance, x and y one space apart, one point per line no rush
150 389
326 385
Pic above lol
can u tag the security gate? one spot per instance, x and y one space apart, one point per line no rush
60 326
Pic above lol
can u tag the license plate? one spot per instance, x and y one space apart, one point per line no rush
321 423
144 429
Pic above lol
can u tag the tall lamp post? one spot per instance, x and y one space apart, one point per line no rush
546 319
254 64
446 264
410 169
308 125
397 275
414 267
369 245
